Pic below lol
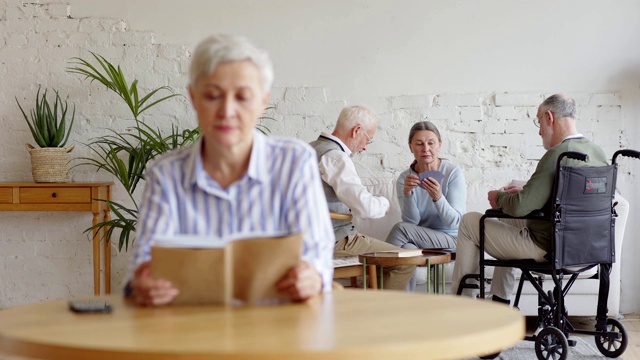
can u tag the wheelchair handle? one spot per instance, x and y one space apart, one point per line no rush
575 155
572 155
627 153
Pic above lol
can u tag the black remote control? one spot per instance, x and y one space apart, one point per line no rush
90 306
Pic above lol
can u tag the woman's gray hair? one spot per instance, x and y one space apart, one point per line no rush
351 116
424 125
223 47
561 106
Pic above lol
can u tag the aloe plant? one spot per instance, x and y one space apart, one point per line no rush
49 126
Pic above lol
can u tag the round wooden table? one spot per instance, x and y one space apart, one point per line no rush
348 324
430 257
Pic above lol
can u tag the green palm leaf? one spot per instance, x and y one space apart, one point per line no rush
126 154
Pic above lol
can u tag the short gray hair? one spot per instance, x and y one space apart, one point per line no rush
561 106
351 116
219 48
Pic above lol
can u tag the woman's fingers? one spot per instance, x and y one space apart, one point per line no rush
147 291
300 282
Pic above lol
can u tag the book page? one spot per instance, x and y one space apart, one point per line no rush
259 263
518 183
203 276
188 241
346 261
399 253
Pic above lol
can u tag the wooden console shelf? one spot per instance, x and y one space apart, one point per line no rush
66 197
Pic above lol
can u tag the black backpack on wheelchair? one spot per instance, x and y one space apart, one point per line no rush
583 216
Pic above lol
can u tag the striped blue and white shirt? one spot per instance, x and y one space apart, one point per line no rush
281 192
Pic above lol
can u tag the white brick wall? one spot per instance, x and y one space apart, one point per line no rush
45 255
523 99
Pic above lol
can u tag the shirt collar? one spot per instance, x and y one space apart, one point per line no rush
193 163
258 156
574 136
344 147
196 173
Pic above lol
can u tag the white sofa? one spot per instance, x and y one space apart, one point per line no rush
581 300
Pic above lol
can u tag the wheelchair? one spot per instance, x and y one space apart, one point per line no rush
582 213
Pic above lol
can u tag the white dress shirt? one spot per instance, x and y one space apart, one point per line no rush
337 170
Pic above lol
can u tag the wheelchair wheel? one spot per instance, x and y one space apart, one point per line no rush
551 344
612 347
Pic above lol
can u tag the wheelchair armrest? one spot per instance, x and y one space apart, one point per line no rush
494 213
536 214
498 213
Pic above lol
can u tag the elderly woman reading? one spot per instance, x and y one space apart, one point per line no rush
234 179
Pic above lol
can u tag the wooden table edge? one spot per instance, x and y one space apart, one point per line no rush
496 339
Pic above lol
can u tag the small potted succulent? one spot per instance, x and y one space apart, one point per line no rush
50 127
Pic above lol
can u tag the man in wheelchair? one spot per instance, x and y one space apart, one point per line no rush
560 223
520 238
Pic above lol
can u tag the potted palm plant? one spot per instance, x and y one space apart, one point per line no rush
125 154
50 130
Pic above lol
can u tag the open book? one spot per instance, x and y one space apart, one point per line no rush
399 253
214 271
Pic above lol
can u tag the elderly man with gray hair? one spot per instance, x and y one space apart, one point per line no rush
521 239
354 130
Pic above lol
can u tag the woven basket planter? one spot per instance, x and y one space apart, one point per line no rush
49 165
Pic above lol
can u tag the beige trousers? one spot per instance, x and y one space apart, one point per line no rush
504 239
395 277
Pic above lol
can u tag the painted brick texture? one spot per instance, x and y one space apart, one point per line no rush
47 256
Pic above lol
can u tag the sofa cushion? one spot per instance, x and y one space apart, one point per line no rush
380 228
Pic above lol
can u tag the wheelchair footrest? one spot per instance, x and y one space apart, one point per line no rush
474 285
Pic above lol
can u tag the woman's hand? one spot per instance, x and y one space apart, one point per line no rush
147 291
300 282
410 182
433 188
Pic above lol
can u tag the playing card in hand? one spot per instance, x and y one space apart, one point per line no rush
437 175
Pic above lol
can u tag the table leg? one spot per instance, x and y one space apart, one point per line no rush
364 274
428 276
96 256
381 278
372 276
438 277
107 253
444 278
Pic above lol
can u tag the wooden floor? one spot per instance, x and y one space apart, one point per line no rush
632 326
631 323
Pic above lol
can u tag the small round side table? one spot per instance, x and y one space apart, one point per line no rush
429 257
